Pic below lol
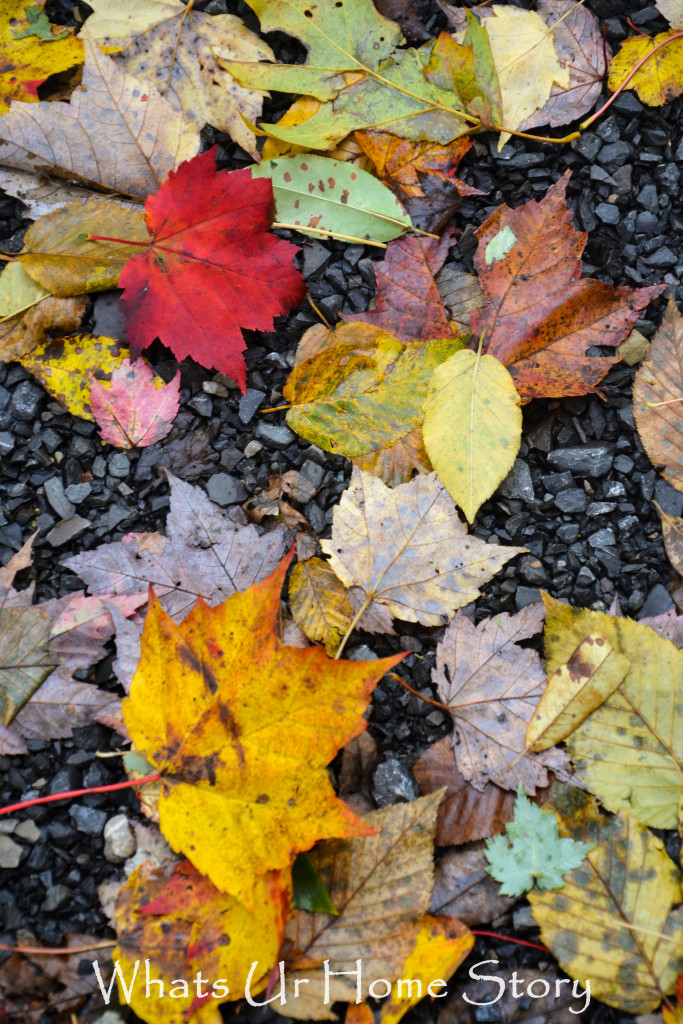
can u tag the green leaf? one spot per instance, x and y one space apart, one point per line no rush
472 427
39 26
532 851
500 245
308 891
334 196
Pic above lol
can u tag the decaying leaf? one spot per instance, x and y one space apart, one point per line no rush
642 776
27 58
197 305
472 426
204 552
492 687
59 254
64 367
362 394
672 531
393 868
542 318
114 132
49 319
319 603
211 932
242 729
658 397
463 888
575 689
134 408
328 195
460 294
612 922
406 549
396 463
660 79
181 52
38 193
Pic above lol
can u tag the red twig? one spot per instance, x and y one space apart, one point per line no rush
79 792
46 951
508 938
427 700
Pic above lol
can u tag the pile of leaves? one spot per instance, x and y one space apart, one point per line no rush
233 711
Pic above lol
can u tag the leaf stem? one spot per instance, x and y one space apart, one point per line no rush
656 405
354 622
427 700
324 233
316 310
509 938
46 951
123 241
276 408
79 792
632 72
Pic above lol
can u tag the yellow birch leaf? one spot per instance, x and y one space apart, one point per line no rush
28 54
576 688
612 922
242 729
660 79
472 426
629 751
62 367
319 603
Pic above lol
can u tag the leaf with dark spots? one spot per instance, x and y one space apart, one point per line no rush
242 792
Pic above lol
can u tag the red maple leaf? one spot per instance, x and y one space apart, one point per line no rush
211 267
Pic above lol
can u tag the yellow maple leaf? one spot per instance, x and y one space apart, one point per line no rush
31 50
242 729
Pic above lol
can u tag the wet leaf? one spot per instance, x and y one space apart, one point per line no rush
242 729
612 922
464 889
406 549
37 193
18 291
396 463
317 192
39 324
113 133
319 603
134 408
541 318
181 52
195 305
672 11
472 427
64 367
660 79
31 51
658 397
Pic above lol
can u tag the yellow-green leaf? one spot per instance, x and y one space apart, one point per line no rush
63 367
591 675
472 427
319 603
612 923
629 751
18 291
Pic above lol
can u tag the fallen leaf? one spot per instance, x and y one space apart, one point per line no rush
464 889
406 549
37 192
657 397
460 294
660 79
359 760
360 396
211 933
59 254
492 686
541 319
26 57
204 552
407 302
196 306
18 291
532 852
314 191
242 730
612 922
49 319
465 813
403 12
319 603
472 427
270 500
64 367
114 133
396 463
672 531
392 867
574 690
181 52
643 776
187 452
468 68
672 11
134 408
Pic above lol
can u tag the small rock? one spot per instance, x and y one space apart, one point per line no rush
585 577
662 257
614 154
54 492
556 482
526 595
231 456
10 853
78 492
615 489
107 313
587 460
67 529
25 402
623 464
110 1016
435 718
648 198
393 783
225 489
28 830
656 602
523 920
119 841
88 819
202 405
55 897
609 558
119 465
668 498
600 508
110 519
276 436
608 213
313 472
518 484
315 257
568 532
634 348
573 500
249 403
361 653
251 448
603 538
6 443
215 387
